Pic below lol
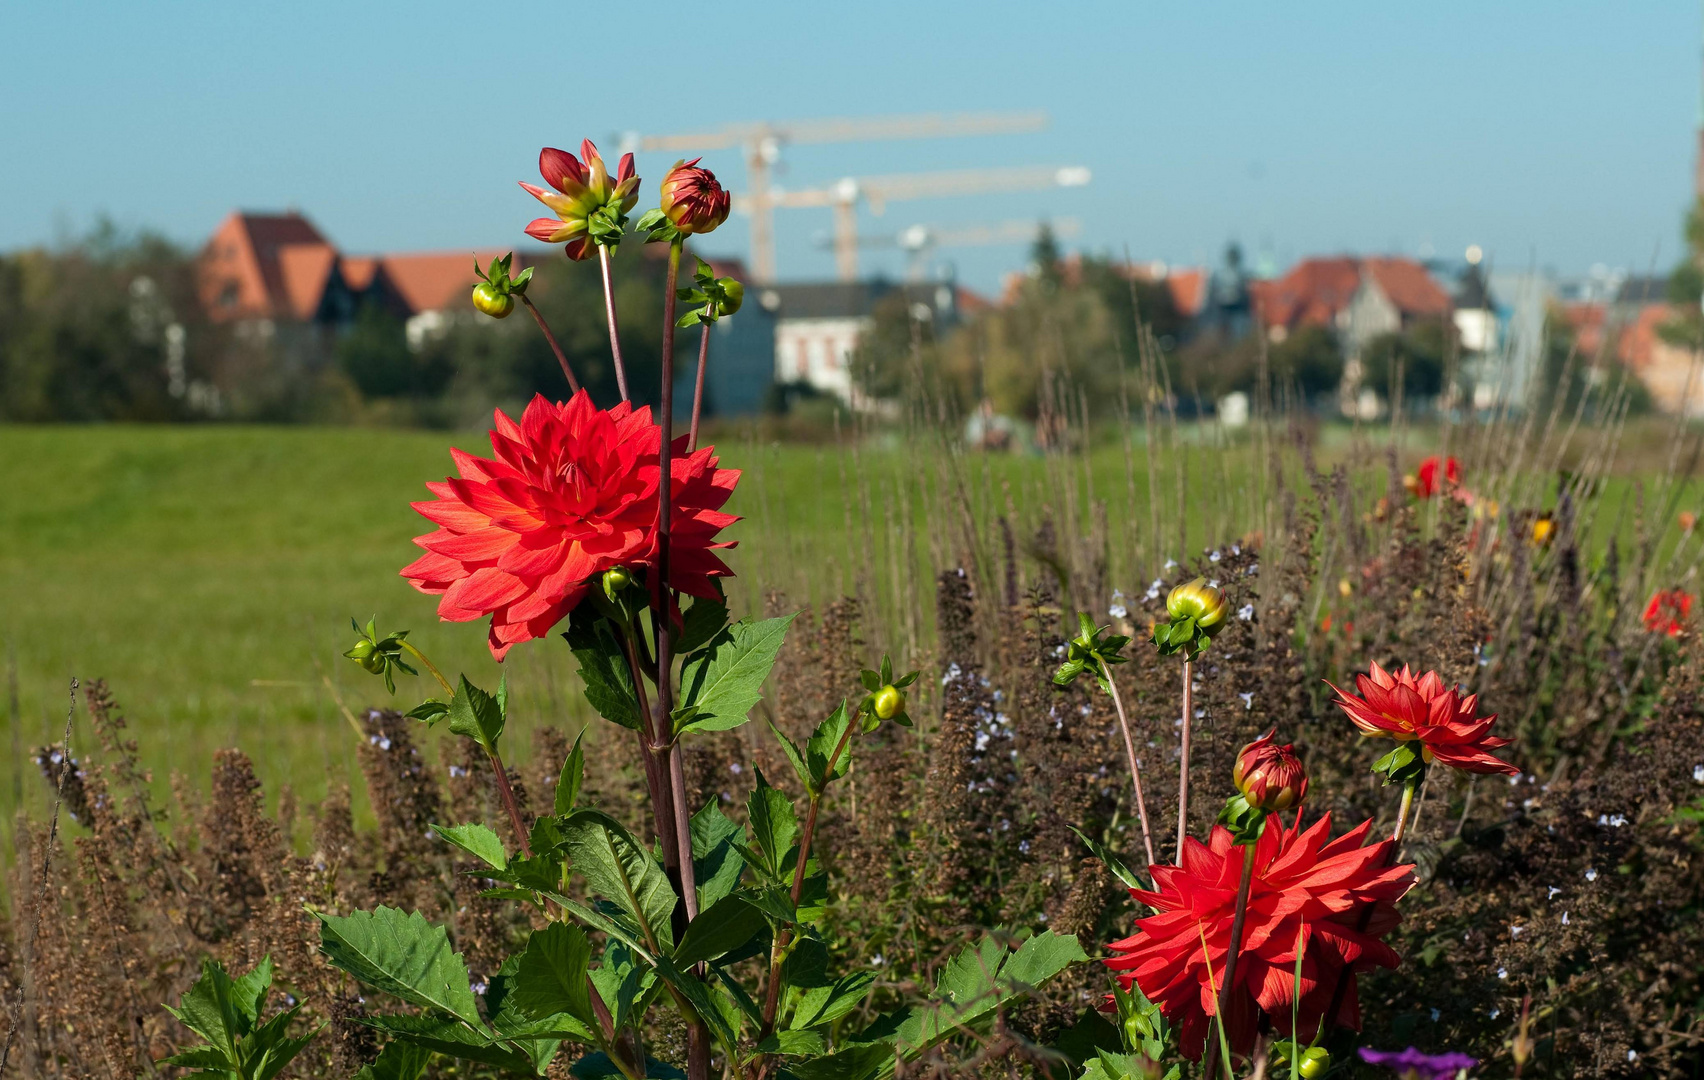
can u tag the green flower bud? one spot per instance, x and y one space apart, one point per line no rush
1199 601
615 579
362 651
733 295
1315 1062
889 702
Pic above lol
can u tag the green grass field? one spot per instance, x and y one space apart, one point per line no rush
209 573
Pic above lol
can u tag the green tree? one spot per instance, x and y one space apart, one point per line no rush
1421 353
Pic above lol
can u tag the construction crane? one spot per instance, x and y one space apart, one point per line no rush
762 143
917 241
878 191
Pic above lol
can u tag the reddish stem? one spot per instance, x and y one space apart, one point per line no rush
1135 770
698 387
561 357
614 329
1226 988
1183 760
507 794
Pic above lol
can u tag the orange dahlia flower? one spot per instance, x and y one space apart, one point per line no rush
572 492
1668 611
1308 891
1447 726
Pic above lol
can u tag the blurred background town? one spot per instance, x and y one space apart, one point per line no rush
1017 257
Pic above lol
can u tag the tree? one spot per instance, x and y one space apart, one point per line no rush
1420 351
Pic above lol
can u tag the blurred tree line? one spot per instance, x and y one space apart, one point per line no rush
107 326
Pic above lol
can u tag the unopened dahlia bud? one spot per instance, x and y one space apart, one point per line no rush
692 199
889 702
1199 601
733 295
1270 776
365 653
615 579
1315 1062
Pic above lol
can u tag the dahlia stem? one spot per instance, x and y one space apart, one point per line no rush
656 775
507 794
698 387
1135 771
561 357
614 329
430 666
1227 987
1183 760
1365 918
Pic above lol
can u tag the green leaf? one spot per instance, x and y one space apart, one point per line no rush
477 840
715 862
621 982
538 1038
478 715
1042 957
399 1060
215 1009
428 712
820 749
825 1004
270 1049
727 926
1112 861
722 684
620 869
401 954
798 1043
572 777
603 667
981 979
712 1005
773 825
551 977
853 1063
598 1066
209 1058
791 749
704 620
443 1035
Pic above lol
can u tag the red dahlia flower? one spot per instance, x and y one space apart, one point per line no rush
1270 776
1668 611
571 493
1307 889
581 191
1447 726
1424 484
692 199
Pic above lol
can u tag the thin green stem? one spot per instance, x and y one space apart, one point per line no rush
430 666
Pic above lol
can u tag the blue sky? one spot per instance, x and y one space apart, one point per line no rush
1557 134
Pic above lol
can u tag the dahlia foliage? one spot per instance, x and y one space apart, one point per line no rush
1335 899
1446 725
570 493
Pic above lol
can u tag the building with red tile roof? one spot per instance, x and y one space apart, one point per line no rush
1360 298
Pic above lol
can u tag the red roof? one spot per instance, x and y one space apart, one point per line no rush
1636 333
1315 291
433 281
255 266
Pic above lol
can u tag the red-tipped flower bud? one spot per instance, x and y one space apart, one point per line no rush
692 199
1199 601
1270 776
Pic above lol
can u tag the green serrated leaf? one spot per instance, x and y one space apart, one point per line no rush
477 715
450 1037
399 1060
725 681
403 955
794 756
825 1004
774 826
704 619
623 871
551 976
621 982
718 930
1112 861
819 750
477 840
716 863
603 667
572 777
598 1066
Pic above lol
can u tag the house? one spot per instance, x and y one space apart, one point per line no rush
1629 327
1359 298
818 326
263 272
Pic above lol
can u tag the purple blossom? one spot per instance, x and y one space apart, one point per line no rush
1411 1064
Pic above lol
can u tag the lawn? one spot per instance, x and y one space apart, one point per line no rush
209 573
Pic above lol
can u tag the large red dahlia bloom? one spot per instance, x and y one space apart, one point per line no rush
571 492
1447 725
1307 889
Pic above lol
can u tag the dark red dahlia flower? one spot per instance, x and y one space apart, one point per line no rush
1668 611
692 199
571 492
1447 725
1307 891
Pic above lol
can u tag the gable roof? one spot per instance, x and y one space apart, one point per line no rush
435 280
1408 286
243 272
1314 291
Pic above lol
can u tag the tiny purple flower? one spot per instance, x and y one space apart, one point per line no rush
1411 1064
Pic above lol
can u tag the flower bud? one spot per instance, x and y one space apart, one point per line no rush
692 199
733 295
889 702
615 579
1315 1062
1269 776
1199 601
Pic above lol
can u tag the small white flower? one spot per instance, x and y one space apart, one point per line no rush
1118 611
1213 556
1554 889
1515 931
1248 699
1591 875
1171 564
1698 774
1236 549
877 960
1435 1015
1515 779
1246 612
1564 918
480 987
1632 1055
1496 1012
736 768
1023 846
1213 583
